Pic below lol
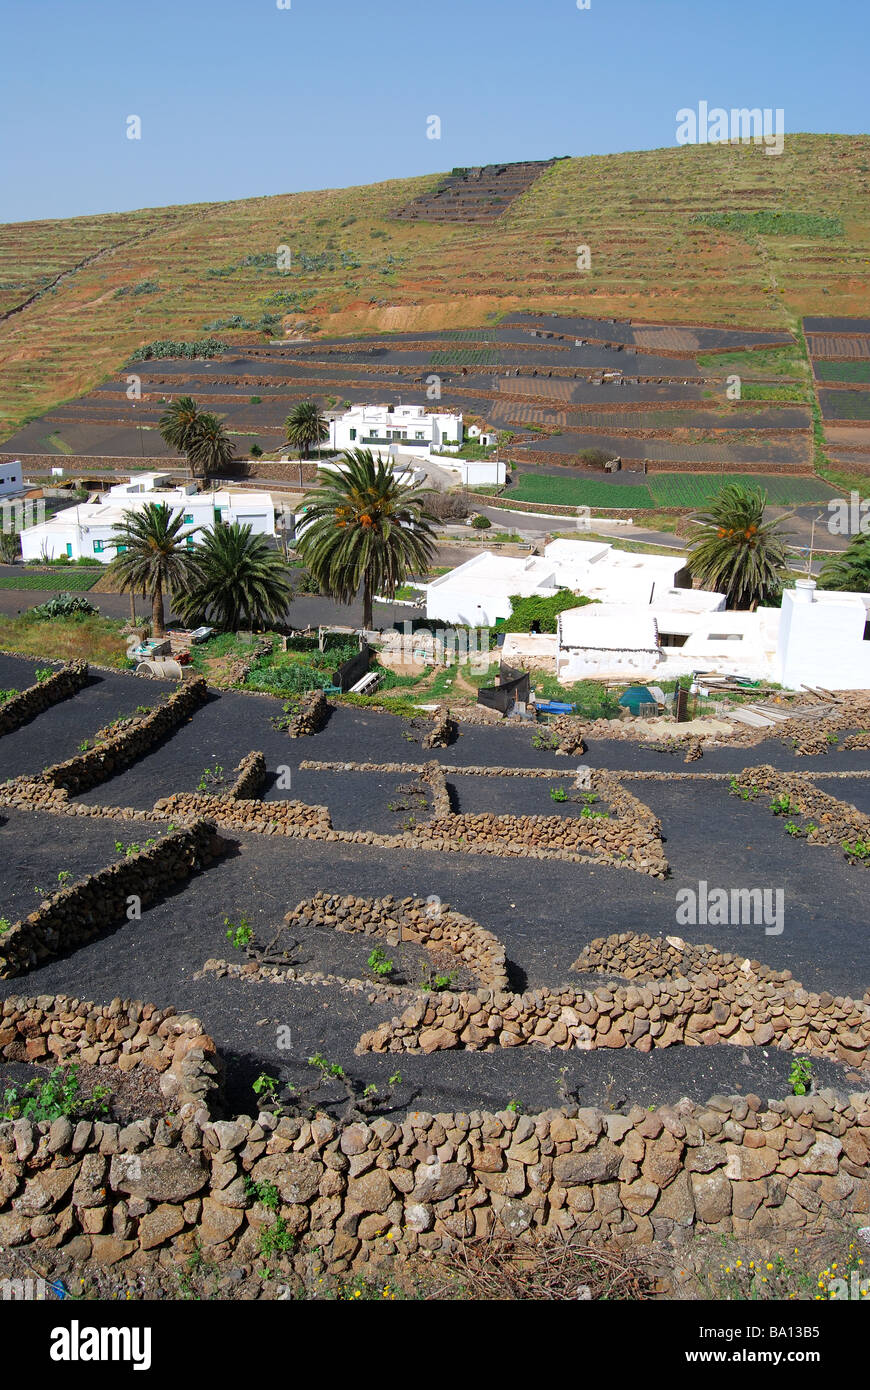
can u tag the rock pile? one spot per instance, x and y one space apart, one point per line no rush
27 704
81 911
568 732
250 778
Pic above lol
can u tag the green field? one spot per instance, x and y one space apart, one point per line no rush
772 223
846 405
464 357
662 490
56 581
842 371
580 492
696 490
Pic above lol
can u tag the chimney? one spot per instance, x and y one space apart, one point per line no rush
804 590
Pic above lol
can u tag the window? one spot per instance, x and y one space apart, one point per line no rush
418 434
725 637
121 549
189 542
673 639
353 434
99 547
188 518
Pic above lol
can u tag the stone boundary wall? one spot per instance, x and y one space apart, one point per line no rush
27 704
311 717
409 919
443 731
55 1029
81 911
355 1192
716 1000
293 818
119 751
250 778
833 821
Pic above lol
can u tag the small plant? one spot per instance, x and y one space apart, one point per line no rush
325 1067
745 793
558 794
43 673
516 1106
275 1239
266 1193
437 983
84 745
63 877
793 828
781 805
59 1095
265 1085
801 1075
211 777
379 963
858 852
588 814
5 924
240 933
545 739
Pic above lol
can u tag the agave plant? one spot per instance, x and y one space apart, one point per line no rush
737 552
364 528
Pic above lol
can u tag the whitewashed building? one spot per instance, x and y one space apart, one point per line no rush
479 591
409 427
86 529
11 480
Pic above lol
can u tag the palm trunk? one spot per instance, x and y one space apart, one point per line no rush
157 628
367 603
132 607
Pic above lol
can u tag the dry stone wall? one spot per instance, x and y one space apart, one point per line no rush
55 1029
833 822
366 1190
120 750
312 715
718 999
27 704
409 919
81 911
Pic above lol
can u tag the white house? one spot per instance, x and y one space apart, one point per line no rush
410 427
87 529
479 591
815 638
10 478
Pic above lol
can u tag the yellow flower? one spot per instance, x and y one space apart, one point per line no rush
739 1263
768 1265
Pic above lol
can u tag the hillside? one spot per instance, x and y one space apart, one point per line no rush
77 297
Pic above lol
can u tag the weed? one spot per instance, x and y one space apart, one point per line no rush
59 1095
558 794
379 963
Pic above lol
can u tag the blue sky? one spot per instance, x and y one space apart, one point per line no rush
239 98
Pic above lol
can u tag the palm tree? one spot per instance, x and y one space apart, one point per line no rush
236 581
152 556
306 426
362 527
178 422
849 570
737 551
209 448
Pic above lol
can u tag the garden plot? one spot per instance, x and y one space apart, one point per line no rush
59 732
42 854
519 796
702 456
845 405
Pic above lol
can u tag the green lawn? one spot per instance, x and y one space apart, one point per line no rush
60 580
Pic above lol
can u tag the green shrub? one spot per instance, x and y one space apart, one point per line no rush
59 1095
543 611
481 523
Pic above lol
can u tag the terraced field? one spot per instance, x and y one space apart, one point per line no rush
356 268
661 490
